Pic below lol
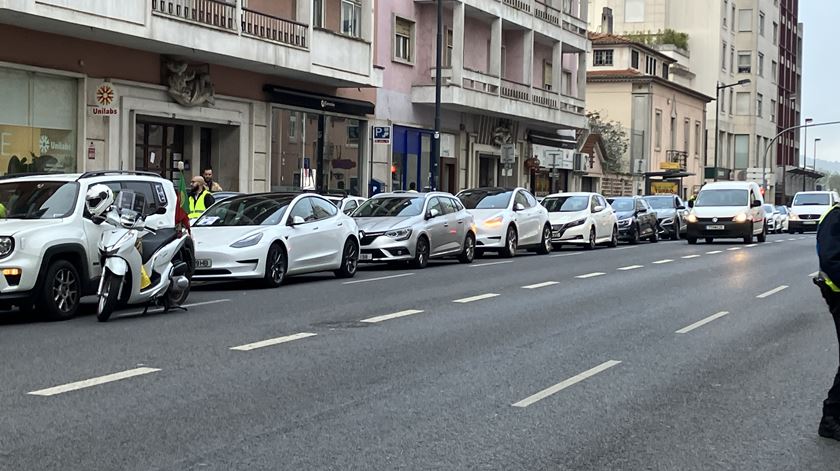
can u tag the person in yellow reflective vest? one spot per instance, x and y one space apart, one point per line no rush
200 199
828 251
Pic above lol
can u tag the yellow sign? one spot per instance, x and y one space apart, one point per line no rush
31 149
658 188
669 165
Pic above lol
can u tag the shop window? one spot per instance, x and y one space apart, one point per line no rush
38 122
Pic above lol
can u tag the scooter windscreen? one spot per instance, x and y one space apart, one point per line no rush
128 200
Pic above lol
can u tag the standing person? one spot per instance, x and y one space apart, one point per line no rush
212 186
200 199
828 251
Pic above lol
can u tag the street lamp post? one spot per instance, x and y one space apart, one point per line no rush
788 129
433 168
815 152
720 87
805 150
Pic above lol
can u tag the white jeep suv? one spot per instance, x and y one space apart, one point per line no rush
49 255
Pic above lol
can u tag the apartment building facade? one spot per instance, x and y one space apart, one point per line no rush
513 73
728 41
252 88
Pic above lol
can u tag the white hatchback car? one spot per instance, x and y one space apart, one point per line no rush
581 218
271 235
507 220
347 204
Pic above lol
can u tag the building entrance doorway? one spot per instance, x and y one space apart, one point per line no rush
157 147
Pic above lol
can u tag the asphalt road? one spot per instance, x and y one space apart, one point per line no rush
659 356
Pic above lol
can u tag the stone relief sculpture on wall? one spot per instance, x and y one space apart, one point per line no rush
188 86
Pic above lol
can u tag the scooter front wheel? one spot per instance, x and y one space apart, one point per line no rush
109 297
175 298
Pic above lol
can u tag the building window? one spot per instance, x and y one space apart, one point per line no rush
773 69
745 20
634 11
658 130
318 13
744 62
742 103
351 18
775 33
760 64
665 71
673 131
687 135
759 104
604 57
547 74
742 150
731 102
293 119
723 57
725 11
634 59
447 54
723 103
732 60
697 135
353 132
567 82
772 111
732 17
651 66
761 23
403 39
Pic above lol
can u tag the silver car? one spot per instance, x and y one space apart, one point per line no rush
414 227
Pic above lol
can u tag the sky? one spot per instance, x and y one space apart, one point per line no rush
820 74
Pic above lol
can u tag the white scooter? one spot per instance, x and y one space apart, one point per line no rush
121 270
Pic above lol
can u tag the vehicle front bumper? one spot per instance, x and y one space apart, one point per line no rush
22 288
231 263
731 229
490 238
667 226
803 225
386 249
560 234
626 231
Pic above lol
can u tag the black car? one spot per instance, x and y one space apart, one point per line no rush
636 219
670 211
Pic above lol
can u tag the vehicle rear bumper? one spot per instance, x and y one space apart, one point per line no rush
803 225
732 230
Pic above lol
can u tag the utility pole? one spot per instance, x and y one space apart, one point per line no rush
720 87
433 168
805 157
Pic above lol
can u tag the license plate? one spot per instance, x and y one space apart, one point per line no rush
366 256
715 228
204 263
810 223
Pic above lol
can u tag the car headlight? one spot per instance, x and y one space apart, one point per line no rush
249 241
576 223
625 222
666 221
7 245
399 234
691 218
793 217
741 217
494 221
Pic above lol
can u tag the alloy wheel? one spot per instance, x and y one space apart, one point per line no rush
65 290
351 257
277 266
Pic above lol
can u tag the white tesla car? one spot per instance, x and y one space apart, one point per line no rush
270 236
507 220
581 218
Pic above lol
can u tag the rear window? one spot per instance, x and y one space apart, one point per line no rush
811 199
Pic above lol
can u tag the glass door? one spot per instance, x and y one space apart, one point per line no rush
156 146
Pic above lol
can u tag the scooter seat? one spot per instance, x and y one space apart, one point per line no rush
153 242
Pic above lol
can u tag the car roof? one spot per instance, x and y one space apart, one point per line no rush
572 193
410 194
492 188
813 192
728 185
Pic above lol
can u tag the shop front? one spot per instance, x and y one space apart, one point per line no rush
318 142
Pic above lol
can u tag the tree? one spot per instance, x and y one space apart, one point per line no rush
831 181
614 137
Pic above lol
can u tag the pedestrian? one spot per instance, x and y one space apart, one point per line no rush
200 199
212 186
828 251
412 187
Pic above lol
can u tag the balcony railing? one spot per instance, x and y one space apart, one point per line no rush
515 90
481 82
524 5
547 13
545 98
272 28
217 13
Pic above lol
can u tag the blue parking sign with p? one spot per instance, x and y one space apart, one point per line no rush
382 134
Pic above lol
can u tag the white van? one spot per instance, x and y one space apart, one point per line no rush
807 209
727 210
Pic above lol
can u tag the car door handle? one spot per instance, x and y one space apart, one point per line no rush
460 221
340 224
314 228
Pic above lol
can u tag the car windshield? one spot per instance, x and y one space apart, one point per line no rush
661 202
782 209
811 199
722 198
390 206
623 204
485 199
768 208
261 210
566 204
38 199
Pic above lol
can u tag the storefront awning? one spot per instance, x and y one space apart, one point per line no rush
551 140
669 174
326 103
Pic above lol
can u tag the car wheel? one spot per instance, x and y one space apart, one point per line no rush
349 260
762 237
614 239
637 232
545 244
421 253
654 238
691 240
511 243
590 245
275 266
60 292
709 240
468 254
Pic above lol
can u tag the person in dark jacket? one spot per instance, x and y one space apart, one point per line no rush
828 280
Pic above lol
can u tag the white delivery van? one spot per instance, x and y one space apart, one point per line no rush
727 210
807 209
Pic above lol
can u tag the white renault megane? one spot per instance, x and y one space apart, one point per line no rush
271 235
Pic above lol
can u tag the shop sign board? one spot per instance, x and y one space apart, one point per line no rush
664 187
106 100
382 134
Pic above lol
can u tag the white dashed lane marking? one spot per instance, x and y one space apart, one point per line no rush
751 245
475 298
378 278
631 267
274 341
408 312
690 256
701 323
732 249
590 275
489 264
565 254
714 252
772 292
660 262
565 384
94 381
541 285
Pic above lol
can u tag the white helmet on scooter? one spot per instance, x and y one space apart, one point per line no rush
99 199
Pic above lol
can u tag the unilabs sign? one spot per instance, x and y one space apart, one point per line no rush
106 97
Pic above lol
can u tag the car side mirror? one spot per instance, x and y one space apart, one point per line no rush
519 207
296 221
433 213
161 210
642 210
755 204
691 204
598 209
681 207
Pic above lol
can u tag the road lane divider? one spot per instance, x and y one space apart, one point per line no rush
750 245
489 264
386 317
792 238
714 252
475 298
663 261
590 275
779 241
628 247
772 292
701 323
378 278
630 267
690 256
541 285
565 384
732 249
110 378
275 341
565 254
